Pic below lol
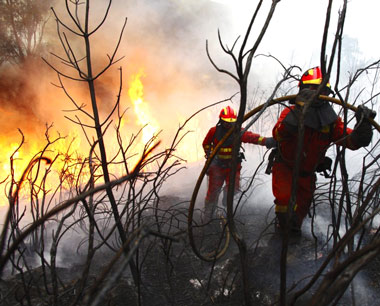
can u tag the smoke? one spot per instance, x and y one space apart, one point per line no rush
18 100
164 40
167 41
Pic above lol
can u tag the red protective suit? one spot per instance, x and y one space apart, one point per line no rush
315 144
219 170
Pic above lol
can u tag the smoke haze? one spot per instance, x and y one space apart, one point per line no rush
164 41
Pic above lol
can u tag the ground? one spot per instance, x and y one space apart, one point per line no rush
171 274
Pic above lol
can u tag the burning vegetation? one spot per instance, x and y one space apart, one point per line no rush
86 220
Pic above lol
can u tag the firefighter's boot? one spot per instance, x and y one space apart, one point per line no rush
295 225
280 222
208 211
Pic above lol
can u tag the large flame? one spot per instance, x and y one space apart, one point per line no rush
15 158
67 166
187 148
144 117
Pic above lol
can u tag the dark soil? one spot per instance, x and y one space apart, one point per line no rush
171 274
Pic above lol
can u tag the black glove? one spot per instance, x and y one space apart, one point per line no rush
362 134
324 165
363 112
270 142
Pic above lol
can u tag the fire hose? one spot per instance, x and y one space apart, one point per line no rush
219 252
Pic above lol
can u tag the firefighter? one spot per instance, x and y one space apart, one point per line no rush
322 127
219 170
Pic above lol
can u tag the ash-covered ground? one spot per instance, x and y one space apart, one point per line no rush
171 274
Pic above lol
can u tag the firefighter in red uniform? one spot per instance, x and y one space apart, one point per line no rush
219 170
321 128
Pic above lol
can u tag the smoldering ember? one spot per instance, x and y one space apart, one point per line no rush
199 152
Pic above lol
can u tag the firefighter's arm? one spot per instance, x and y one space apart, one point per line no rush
340 132
207 142
361 135
280 131
249 137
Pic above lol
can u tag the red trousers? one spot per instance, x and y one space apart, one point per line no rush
217 176
282 187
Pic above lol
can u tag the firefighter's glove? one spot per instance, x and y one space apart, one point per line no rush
324 166
271 159
363 112
362 134
270 142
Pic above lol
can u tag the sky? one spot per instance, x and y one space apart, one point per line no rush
297 19
295 34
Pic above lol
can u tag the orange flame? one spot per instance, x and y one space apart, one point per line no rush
65 169
144 118
188 149
22 156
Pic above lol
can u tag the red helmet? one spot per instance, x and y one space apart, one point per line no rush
312 76
228 114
